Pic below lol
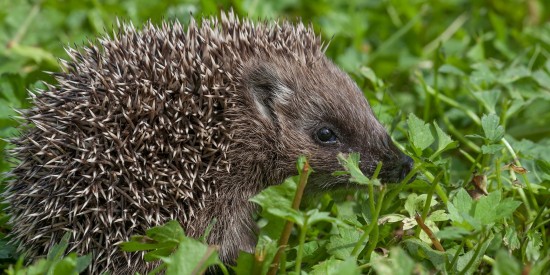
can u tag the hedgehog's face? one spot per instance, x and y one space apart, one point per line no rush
318 111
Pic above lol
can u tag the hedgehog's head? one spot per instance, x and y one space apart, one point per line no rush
316 110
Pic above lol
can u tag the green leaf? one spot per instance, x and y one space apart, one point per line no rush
55 263
267 248
485 208
534 245
143 243
180 262
277 201
461 211
277 197
438 216
369 74
506 264
422 251
411 204
543 169
540 267
499 25
7 111
514 73
351 165
335 267
169 232
450 69
161 239
511 239
159 252
482 75
7 249
506 208
341 245
491 148
314 216
464 260
57 251
312 249
39 267
288 213
245 263
452 233
38 55
346 212
477 52
419 134
542 78
415 203
391 218
489 98
444 141
423 235
462 201
493 131
82 263
66 265
397 263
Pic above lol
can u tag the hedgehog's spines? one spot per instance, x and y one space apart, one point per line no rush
133 131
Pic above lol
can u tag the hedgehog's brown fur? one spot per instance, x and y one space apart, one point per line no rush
186 124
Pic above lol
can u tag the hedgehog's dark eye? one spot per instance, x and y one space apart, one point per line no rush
326 135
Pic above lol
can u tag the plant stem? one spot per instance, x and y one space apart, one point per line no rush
469 157
373 238
285 235
429 232
525 179
300 251
456 256
472 260
430 194
438 188
391 196
497 172
374 220
223 269
489 260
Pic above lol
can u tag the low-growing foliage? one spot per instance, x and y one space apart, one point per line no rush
57 262
169 245
462 86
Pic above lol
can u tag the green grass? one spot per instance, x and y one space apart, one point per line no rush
462 86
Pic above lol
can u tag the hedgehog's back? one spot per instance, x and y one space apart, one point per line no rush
128 136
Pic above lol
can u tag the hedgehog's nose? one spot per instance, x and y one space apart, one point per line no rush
407 164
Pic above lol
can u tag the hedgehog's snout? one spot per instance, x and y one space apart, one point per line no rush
396 166
407 164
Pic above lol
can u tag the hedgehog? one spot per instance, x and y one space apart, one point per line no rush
184 123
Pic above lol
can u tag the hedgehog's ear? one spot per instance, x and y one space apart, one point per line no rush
267 89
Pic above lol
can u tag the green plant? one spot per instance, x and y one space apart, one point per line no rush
56 263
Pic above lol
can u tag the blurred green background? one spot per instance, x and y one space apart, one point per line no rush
483 55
